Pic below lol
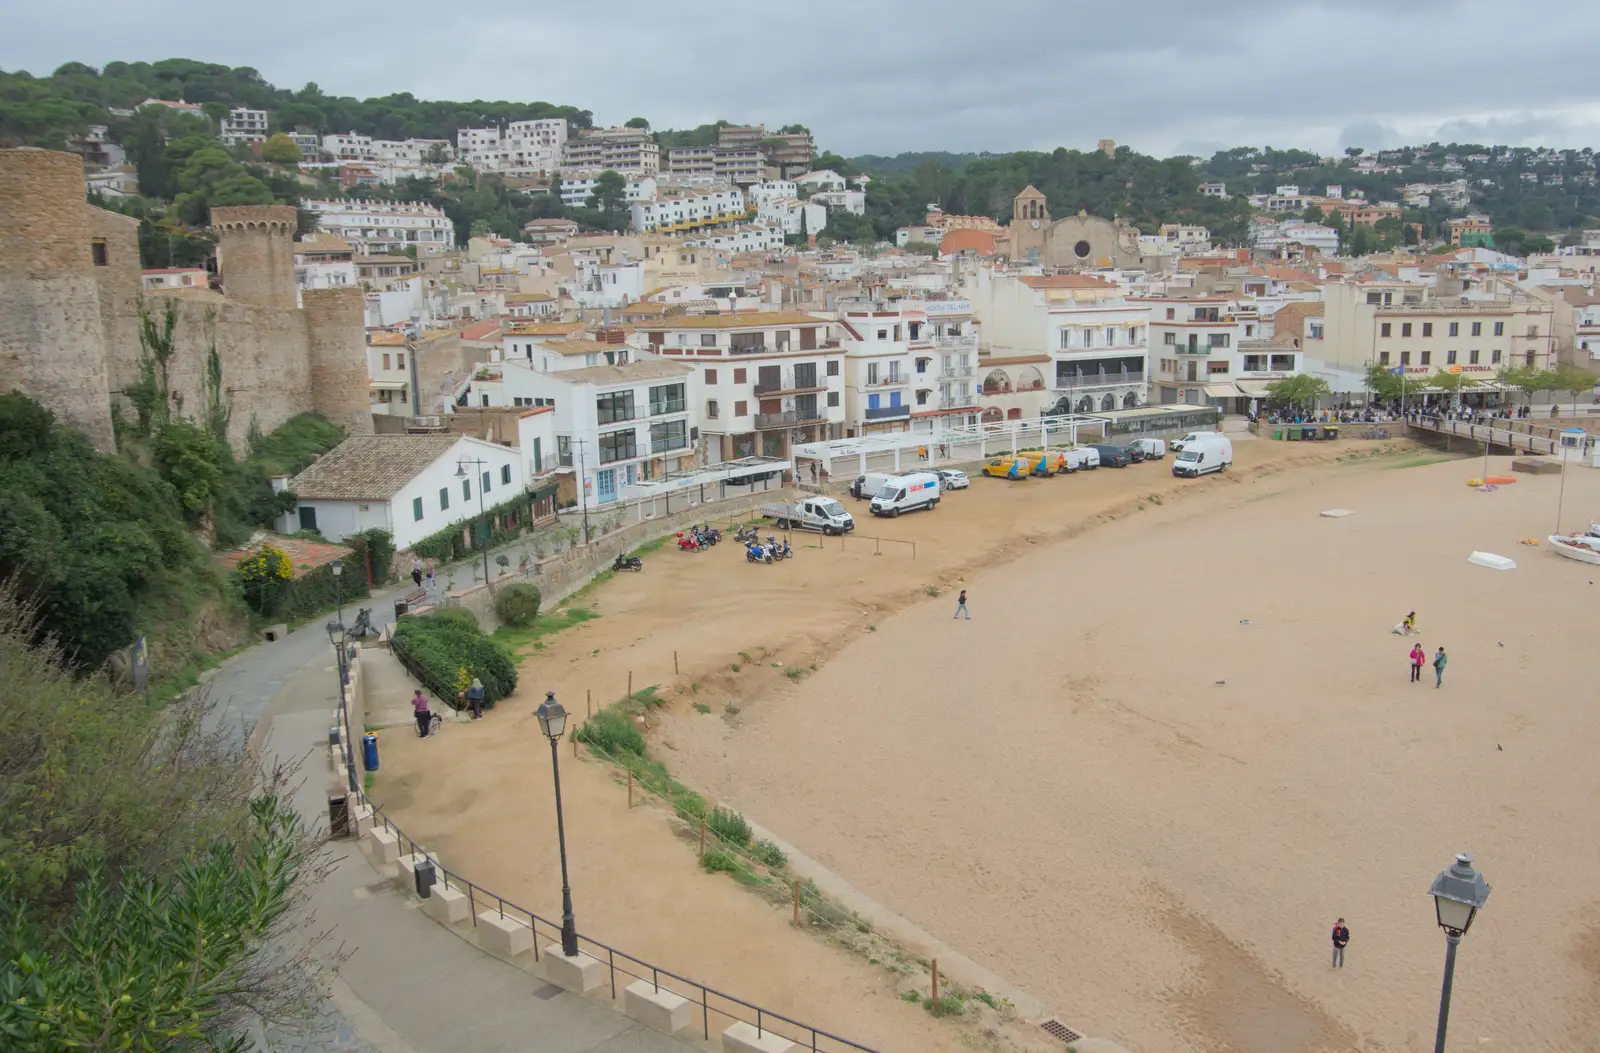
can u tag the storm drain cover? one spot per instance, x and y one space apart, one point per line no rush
1056 1029
547 992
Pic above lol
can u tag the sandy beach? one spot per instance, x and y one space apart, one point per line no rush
1174 743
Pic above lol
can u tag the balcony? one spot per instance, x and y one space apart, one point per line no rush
658 409
752 349
786 419
787 386
955 372
892 381
887 412
1097 380
667 445
958 401
959 340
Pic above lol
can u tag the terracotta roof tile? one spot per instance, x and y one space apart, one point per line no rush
370 467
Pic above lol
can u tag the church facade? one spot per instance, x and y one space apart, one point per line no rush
1080 241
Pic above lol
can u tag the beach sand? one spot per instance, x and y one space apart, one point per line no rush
1061 789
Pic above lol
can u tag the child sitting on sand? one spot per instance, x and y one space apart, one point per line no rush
1407 627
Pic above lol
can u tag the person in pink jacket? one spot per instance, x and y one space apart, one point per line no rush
1418 656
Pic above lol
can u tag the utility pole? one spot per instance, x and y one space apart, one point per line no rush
583 490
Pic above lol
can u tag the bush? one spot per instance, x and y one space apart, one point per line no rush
720 860
769 854
730 826
689 805
457 616
612 733
517 604
441 650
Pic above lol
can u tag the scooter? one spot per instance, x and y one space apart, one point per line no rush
754 553
627 563
778 551
687 543
746 535
710 533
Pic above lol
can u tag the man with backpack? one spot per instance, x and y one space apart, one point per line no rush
1341 937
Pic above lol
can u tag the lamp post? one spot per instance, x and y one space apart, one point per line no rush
461 473
337 566
336 636
553 721
1457 893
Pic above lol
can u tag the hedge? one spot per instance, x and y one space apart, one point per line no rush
505 522
445 654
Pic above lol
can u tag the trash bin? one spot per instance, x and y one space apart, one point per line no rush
426 877
1294 434
369 751
400 608
338 815
1277 433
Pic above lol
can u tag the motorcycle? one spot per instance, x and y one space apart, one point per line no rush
746 535
687 543
627 563
710 533
778 551
755 554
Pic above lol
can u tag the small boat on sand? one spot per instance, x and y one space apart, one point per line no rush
1582 547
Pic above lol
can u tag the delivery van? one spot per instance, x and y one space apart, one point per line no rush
1037 462
868 486
1179 445
1207 452
1006 468
906 493
1113 455
1080 458
1153 449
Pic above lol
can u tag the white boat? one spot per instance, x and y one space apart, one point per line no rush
1582 547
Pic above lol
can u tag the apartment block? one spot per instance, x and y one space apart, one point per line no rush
386 226
676 211
244 125
768 379
630 151
1193 342
349 147
739 165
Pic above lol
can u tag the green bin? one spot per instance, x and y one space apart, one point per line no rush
1294 435
1277 433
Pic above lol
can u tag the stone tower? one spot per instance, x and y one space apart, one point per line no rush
335 321
1030 220
52 343
255 253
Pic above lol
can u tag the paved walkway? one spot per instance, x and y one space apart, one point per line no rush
409 986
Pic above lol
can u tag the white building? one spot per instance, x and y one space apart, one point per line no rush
717 164
389 374
907 364
1079 335
409 485
244 125
1214 190
822 179
375 227
169 279
1193 344
324 262
614 426
683 210
850 200
576 187
598 284
309 143
480 148
740 239
792 216
409 151
769 379
533 147
630 151
350 147
1276 239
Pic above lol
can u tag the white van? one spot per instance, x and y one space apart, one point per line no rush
906 493
1081 457
1203 452
1153 449
868 486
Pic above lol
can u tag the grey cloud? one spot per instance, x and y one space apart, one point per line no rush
883 77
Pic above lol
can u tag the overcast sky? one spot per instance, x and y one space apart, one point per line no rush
875 76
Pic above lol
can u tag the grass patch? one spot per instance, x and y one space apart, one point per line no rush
930 590
987 999
730 826
612 733
794 672
650 546
735 667
947 1005
730 709
366 782
1421 460
648 697
769 854
745 655
186 676
515 640
701 707
910 996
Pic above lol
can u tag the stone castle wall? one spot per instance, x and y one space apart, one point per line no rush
69 326
52 344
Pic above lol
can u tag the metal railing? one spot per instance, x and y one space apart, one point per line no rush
958 401
886 412
1094 380
957 371
959 340
892 380
786 419
749 349
669 406
709 1000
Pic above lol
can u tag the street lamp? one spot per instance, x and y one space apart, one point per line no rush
337 566
1457 893
461 473
553 721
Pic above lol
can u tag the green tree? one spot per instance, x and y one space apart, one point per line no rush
1575 382
610 193
1302 389
1385 385
191 461
437 154
637 122
280 149
481 229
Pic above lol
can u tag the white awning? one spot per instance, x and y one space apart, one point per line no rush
388 385
1254 389
1221 391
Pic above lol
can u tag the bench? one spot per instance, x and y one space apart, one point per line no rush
413 599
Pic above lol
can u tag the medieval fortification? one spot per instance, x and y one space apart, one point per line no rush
71 292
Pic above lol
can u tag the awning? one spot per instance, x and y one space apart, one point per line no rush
1253 389
388 385
1221 391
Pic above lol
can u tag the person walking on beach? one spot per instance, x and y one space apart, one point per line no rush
961 606
1341 937
1417 658
419 706
416 572
1440 660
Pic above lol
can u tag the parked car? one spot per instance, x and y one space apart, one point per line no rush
1113 454
951 479
1006 468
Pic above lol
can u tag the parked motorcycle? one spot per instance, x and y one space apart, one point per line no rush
756 554
627 563
746 535
687 543
778 551
711 533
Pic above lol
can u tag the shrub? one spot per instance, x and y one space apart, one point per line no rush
720 860
457 616
947 1005
611 732
730 826
436 650
768 854
517 604
688 804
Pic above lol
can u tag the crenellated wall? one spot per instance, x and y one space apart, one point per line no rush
71 292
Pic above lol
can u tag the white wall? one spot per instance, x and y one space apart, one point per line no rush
441 474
